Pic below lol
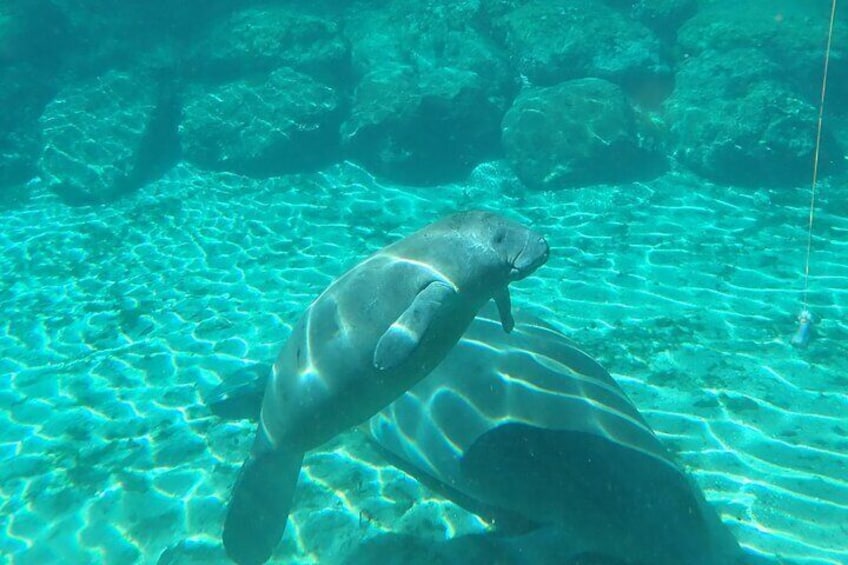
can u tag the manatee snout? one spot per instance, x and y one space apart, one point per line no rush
533 255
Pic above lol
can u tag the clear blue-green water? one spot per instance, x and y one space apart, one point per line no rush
119 318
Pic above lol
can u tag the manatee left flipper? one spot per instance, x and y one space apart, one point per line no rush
239 396
504 304
404 335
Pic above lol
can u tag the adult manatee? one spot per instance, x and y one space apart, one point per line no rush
529 424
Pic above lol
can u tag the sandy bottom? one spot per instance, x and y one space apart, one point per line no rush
118 320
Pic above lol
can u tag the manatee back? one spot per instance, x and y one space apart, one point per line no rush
530 423
533 376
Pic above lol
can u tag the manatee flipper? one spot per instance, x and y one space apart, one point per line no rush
504 304
259 507
239 397
404 335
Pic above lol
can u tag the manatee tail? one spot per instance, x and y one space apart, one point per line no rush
259 507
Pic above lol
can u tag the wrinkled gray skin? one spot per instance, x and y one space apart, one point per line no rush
373 334
557 443
345 360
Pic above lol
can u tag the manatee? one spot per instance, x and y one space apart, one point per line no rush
529 429
370 336
530 424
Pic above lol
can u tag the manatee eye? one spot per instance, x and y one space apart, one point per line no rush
500 235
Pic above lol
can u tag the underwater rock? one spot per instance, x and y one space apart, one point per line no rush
19 147
425 36
34 33
422 129
577 133
790 34
734 121
107 136
663 17
24 94
745 102
90 37
432 94
261 39
281 123
552 41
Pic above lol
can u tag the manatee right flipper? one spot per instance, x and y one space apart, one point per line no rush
404 335
259 506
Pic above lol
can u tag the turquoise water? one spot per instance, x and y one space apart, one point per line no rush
138 277
119 319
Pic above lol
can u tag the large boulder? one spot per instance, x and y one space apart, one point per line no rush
430 34
93 36
19 147
550 41
108 136
262 39
34 33
24 95
744 107
432 92
277 123
787 32
663 17
576 133
422 129
733 119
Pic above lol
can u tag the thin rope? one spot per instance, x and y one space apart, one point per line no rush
816 154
